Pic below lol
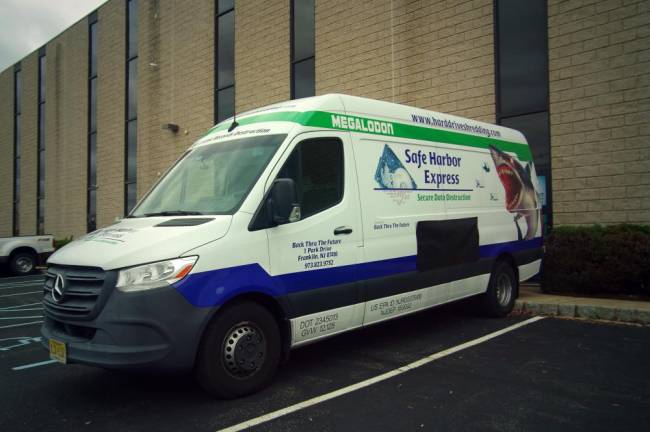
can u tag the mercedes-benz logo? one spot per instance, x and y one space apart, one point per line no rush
59 287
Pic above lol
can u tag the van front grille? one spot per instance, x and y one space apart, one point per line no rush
79 292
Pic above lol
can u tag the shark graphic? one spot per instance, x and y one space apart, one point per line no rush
521 197
391 174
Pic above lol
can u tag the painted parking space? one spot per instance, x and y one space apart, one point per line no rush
554 375
20 304
21 315
75 392
522 379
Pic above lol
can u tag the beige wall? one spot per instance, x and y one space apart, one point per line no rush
439 55
176 81
432 54
29 144
262 53
111 63
599 64
66 127
7 151
359 65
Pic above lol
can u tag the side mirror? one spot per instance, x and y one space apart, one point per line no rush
283 202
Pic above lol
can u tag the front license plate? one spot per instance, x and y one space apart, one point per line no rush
58 351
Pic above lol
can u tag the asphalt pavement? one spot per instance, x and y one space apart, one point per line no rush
551 374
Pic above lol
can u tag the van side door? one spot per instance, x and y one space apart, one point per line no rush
314 259
398 199
470 201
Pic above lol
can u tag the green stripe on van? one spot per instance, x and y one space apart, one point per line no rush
329 120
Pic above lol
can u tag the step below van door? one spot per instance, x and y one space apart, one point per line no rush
314 260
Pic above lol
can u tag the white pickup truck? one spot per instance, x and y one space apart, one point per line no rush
24 253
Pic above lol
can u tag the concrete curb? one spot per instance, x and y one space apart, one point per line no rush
570 309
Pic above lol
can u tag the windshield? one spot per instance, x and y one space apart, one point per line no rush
211 179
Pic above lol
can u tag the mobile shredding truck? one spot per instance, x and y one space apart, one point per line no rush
292 223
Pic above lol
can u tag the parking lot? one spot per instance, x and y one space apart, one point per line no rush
545 375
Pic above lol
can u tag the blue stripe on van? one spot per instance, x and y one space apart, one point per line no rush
496 249
215 287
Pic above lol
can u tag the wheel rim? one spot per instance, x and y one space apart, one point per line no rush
504 289
24 264
244 350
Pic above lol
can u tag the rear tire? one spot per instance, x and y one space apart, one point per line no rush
239 352
499 300
22 263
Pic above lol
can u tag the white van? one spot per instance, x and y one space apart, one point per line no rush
296 222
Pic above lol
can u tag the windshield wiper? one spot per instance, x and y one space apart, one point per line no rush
174 213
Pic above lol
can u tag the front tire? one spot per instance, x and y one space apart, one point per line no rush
499 300
239 352
22 263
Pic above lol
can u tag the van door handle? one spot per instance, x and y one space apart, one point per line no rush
342 230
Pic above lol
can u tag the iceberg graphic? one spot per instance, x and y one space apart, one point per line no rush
391 174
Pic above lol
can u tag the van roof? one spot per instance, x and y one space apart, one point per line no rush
344 112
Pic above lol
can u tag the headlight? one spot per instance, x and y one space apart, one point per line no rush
154 275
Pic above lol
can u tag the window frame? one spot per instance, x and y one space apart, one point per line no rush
40 143
91 138
17 146
295 61
131 184
501 115
218 91
498 54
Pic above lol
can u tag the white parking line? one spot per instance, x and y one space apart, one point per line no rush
32 365
25 293
18 307
31 280
36 276
21 325
416 364
19 310
21 286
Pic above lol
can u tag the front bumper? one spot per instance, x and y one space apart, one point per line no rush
156 329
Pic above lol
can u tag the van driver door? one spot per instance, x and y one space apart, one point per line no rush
314 259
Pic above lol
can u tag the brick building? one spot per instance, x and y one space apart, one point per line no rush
82 139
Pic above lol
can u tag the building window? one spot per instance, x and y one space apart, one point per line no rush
522 87
91 192
40 168
302 49
17 115
131 135
224 98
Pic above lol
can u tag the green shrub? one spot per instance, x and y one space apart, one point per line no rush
598 260
59 243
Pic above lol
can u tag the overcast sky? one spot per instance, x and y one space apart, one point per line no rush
25 25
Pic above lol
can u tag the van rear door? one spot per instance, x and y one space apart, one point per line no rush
315 258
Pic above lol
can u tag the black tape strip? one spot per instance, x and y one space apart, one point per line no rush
446 243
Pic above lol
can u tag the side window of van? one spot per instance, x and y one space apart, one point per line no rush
316 165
